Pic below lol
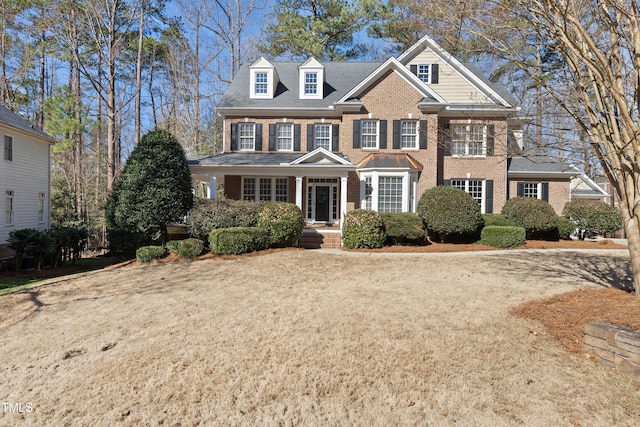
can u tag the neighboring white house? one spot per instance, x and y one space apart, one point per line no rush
25 170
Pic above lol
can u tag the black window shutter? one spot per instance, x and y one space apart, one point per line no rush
520 192
356 134
258 143
434 74
545 191
234 136
447 139
396 134
383 134
335 137
488 198
414 69
446 183
296 137
272 137
422 134
491 130
311 137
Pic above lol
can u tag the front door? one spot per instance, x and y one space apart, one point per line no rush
322 202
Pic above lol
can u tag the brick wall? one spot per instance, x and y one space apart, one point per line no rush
614 346
558 191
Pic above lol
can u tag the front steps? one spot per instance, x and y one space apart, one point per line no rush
314 238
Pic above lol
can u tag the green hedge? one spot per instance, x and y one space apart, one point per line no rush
187 248
363 229
405 227
497 219
148 253
207 215
536 216
450 211
503 236
239 240
283 221
565 228
593 217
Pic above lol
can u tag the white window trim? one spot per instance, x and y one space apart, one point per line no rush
290 125
409 189
257 179
240 125
315 135
9 207
483 199
416 147
467 140
41 207
538 189
377 122
428 72
5 139
269 94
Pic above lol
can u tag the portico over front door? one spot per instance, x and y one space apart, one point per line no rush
322 200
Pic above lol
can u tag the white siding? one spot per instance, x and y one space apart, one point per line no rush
27 176
454 88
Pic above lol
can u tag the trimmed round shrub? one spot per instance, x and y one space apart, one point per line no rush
497 219
148 253
283 221
593 217
363 229
404 227
209 215
239 240
536 216
503 236
187 248
566 227
449 211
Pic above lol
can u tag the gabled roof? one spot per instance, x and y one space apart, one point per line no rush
11 119
494 91
540 166
584 187
319 156
392 64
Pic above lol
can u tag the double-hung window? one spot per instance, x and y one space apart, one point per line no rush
387 191
424 73
265 189
247 134
311 83
8 207
261 83
8 148
531 189
468 140
41 207
323 136
284 135
409 134
390 194
475 188
370 133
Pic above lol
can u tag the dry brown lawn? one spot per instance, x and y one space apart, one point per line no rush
311 338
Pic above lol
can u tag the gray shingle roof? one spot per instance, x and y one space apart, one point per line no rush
10 118
340 78
247 159
540 164
498 88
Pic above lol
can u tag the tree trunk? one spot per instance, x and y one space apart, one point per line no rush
139 72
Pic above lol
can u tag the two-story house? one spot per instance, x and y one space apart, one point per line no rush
25 170
335 136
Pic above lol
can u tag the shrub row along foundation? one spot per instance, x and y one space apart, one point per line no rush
615 346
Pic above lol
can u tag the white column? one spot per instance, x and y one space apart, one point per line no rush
343 199
299 193
213 187
414 183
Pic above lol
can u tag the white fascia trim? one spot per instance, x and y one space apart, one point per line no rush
392 64
593 185
542 175
457 65
325 153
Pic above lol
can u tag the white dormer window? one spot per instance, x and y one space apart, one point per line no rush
311 77
264 79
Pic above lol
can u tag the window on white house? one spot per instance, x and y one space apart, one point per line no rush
8 148
369 132
40 207
247 134
390 194
261 83
323 136
269 189
310 83
424 73
284 134
468 140
8 210
409 134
